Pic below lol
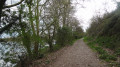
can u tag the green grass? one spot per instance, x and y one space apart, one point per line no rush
106 42
99 49
117 52
44 50
87 39
107 57
56 47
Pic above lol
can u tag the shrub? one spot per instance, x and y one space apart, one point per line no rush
107 57
103 56
117 52
64 36
100 50
112 57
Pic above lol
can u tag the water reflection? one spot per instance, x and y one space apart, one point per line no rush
9 52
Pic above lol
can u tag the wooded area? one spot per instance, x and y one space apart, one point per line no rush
38 25
33 29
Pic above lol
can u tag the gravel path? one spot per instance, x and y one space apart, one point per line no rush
78 55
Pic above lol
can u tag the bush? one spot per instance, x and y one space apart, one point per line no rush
108 57
107 42
78 33
112 57
56 47
117 52
103 56
102 41
86 39
100 50
64 36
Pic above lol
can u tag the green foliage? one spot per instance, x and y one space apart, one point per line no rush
107 25
99 48
86 39
64 36
107 42
44 50
103 56
78 33
34 29
56 47
27 42
117 51
107 57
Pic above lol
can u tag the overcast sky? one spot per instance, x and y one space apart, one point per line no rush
86 9
89 8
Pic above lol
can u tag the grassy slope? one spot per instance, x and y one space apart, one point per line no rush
98 46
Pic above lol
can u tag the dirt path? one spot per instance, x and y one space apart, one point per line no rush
78 55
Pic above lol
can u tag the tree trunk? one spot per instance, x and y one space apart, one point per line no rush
36 50
50 46
2 3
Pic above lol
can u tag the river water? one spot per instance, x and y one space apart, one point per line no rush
9 52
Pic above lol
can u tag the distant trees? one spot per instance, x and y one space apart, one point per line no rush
74 24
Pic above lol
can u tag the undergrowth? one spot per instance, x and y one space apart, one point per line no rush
98 44
56 47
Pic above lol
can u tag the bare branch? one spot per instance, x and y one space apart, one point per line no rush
13 4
